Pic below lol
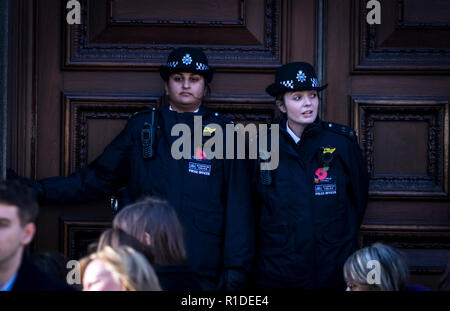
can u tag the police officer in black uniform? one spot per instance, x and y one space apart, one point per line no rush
311 206
212 197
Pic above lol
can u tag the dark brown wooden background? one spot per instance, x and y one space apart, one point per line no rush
73 87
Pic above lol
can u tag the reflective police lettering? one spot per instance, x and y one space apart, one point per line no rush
326 186
200 169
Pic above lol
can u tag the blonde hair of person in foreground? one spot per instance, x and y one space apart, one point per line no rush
121 269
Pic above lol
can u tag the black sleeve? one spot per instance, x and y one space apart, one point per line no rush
239 222
102 177
359 179
239 214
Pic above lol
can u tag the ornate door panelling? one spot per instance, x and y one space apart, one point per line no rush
78 233
237 35
405 141
82 111
220 12
413 37
107 68
254 109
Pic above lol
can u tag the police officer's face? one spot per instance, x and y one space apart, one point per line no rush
301 107
186 91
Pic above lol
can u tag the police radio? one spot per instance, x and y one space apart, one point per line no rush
148 137
266 177
114 205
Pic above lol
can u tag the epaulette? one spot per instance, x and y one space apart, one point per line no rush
340 129
138 113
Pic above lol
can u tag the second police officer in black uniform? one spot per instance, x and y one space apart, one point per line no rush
212 197
311 206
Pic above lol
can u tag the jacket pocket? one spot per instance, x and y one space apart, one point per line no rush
203 185
336 231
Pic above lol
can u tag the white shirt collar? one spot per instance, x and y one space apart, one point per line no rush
170 108
294 137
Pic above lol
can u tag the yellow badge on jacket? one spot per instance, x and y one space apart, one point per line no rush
209 130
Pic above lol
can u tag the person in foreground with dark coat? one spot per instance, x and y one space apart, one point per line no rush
154 223
18 272
311 206
211 196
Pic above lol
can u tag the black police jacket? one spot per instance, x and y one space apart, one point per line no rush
211 197
309 220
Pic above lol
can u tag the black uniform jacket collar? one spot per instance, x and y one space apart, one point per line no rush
187 117
288 143
171 118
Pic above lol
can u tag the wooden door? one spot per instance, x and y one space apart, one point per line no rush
390 82
78 84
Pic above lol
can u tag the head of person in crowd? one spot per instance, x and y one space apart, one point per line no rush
154 222
296 89
18 212
378 267
120 269
116 238
187 76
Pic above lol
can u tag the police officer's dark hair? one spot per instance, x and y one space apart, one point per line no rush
208 89
15 193
158 219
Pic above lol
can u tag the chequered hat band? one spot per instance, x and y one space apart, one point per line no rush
187 61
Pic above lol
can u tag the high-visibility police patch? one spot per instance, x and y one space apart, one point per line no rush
326 186
199 168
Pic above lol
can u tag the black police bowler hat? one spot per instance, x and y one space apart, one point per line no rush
297 76
187 59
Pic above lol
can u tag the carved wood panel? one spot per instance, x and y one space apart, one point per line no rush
237 35
413 37
240 109
77 235
80 109
176 12
429 117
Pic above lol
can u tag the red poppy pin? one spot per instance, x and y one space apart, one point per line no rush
200 154
326 156
321 173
